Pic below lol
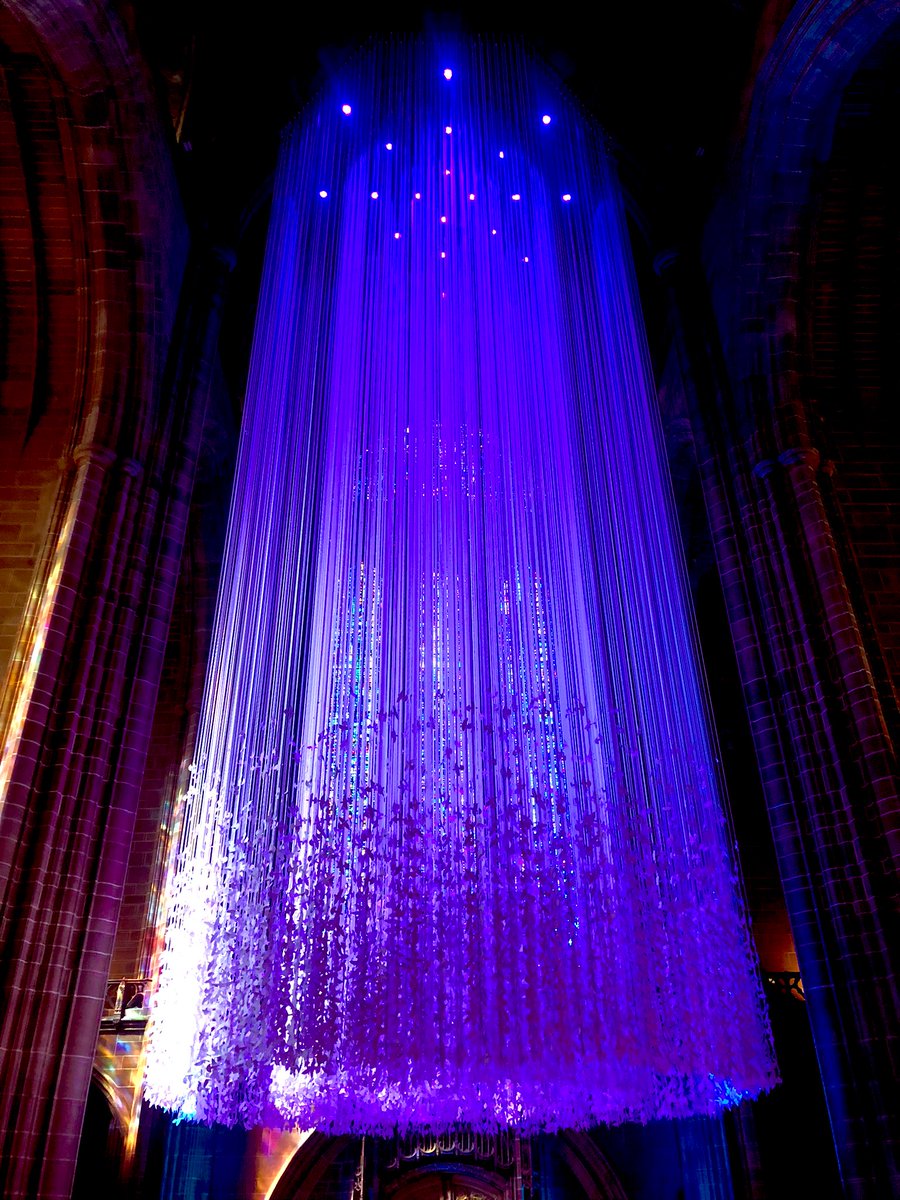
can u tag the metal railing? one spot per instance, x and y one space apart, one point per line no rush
127 1000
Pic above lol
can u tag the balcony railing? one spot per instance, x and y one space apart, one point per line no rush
127 1000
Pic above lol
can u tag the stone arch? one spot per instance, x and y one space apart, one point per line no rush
316 1165
590 1167
827 757
89 251
299 1179
102 1149
449 1182
128 418
848 311
118 1108
789 128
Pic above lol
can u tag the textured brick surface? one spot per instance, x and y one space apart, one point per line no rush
101 571
804 281
40 271
854 308
827 755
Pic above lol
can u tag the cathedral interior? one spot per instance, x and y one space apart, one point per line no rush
138 143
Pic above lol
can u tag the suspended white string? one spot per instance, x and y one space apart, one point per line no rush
455 850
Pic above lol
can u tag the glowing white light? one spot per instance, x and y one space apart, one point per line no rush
323 193
346 110
516 196
418 196
569 859
396 235
447 172
471 195
443 220
448 129
374 195
502 155
448 74
545 119
388 145
493 231
567 196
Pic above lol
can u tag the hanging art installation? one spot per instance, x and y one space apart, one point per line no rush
454 852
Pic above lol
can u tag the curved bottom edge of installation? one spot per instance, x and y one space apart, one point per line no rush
333 1105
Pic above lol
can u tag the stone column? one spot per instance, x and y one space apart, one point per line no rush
827 762
76 755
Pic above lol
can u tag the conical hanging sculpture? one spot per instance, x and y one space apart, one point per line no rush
455 850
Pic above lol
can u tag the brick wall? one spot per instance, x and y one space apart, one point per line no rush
853 299
84 398
824 742
41 266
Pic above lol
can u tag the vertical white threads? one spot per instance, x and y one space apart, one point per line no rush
455 850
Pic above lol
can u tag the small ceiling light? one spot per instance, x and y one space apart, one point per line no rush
323 194
443 220
525 259
443 254
471 195
448 74
516 196
567 196
396 235
448 129
493 231
418 196
374 195
545 119
502 155
388 145
346 110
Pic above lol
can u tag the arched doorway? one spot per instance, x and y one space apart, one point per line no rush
101 1150
450 1182
453 1166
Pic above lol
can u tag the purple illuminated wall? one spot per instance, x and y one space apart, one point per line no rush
455 849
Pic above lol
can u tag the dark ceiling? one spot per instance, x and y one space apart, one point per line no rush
664 79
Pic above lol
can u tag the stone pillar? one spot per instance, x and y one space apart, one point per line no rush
75 758
828 765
